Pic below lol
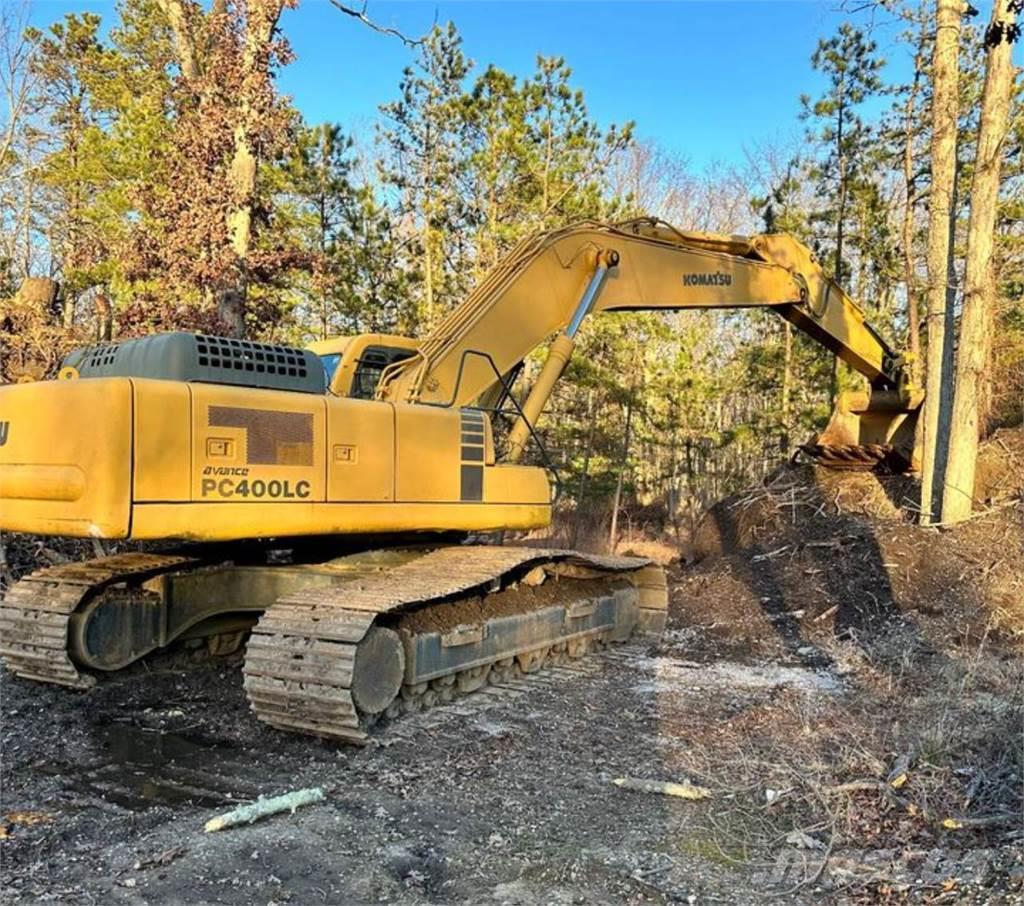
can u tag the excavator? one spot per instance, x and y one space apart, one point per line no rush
318 506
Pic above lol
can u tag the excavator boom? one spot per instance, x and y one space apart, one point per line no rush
553 279
534 292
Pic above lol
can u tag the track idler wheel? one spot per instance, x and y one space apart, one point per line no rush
378 670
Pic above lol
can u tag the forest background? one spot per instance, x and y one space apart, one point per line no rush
153 176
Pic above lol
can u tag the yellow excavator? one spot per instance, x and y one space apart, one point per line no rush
315 504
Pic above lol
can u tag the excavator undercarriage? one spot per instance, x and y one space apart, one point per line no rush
335 647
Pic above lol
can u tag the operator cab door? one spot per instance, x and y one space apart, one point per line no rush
360 450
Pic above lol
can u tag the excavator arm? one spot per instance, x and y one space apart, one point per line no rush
552 280
647 265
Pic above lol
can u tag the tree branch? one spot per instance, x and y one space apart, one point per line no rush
179 18
360 14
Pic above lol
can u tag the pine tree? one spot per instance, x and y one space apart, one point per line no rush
65 63
568 157
904 132
849 61
317 182
495 112
424 135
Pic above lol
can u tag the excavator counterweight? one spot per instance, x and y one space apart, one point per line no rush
313 502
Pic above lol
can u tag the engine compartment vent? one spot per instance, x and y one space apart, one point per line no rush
205 359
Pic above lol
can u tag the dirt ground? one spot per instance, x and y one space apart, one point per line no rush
848 687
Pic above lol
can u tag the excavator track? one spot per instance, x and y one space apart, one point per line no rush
332 661
316 658
329 662
36 613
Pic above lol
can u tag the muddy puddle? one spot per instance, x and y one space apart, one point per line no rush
138 768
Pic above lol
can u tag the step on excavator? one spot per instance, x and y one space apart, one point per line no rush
314 505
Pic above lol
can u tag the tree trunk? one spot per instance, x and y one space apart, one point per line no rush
787 384
946 79
427 319
907 231
261 20
184 39
231 304
613 533
975 333
67 313
41 295
581 493
840 221
104 317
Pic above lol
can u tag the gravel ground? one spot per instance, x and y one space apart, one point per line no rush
502 797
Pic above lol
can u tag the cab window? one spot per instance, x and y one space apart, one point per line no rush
330 363
371 365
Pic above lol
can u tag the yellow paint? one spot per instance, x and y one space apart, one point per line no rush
66 467
32 482
351 349
512 484
161 440
558 357
428 453
361 434
231 521
67 439
659 268
140 458
298 466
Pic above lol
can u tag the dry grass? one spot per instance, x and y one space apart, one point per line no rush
907 760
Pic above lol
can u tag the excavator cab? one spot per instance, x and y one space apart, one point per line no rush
353 365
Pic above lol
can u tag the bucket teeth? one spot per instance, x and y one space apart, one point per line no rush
858 457
873 430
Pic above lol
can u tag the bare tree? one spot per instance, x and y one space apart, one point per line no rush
976 318
17 140
910 196
945 87
362 15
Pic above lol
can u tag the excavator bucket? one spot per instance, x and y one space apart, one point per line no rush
870 431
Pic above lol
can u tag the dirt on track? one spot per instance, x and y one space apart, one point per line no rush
825 649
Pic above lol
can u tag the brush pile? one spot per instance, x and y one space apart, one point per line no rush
915 767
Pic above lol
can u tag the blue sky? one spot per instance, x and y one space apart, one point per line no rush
701 78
